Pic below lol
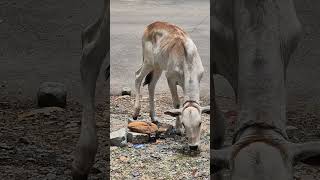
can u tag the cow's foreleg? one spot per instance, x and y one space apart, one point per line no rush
94 51
218 125
176 102
151 87
140 74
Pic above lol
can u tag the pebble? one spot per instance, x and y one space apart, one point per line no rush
137 138
119 137
52 94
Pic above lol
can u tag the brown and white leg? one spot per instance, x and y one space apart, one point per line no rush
151 87
176 102
140 74
94 51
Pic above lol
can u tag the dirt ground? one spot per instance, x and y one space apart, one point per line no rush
37 144
167 158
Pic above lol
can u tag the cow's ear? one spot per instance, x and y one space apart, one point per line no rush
205 109
173 112
220 158
308 153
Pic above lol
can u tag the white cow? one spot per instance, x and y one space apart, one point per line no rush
168 48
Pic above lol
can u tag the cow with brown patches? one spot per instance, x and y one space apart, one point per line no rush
166 47
252 42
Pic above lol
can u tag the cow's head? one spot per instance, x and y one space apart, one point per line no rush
264 158
191 121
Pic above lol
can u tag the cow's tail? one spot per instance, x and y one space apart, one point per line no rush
148 78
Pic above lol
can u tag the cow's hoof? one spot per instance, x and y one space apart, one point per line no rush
155 120
135 117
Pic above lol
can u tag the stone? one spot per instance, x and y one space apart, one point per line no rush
164 130
137 138
126 91
119 137
143 127
52 94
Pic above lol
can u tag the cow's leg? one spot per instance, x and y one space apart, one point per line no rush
176 102
93 53
140 74
218 125
151 87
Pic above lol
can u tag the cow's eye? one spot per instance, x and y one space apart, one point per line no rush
199 124
182 124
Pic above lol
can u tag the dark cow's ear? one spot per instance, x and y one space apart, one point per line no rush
308 153
173 112
205 109
220 159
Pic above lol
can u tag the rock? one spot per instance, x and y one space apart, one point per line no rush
126 91
143 127
164 130
119 137
52 94
137 138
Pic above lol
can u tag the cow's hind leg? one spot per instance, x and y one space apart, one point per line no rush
155 75
94 51
176 102
140 74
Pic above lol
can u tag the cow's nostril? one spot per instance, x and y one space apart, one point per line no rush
193 148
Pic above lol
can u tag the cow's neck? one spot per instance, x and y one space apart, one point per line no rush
191 84
261 93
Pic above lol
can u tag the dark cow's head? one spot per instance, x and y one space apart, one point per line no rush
264 158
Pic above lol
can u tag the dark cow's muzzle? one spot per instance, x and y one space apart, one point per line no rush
193 148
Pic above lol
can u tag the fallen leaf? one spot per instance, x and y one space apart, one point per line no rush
123 158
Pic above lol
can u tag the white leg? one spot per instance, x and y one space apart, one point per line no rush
176 102
151 87
94 51
140 74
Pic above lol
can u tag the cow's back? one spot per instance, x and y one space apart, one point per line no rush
163 42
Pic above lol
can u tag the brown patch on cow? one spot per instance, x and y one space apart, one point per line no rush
154 28
172 37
